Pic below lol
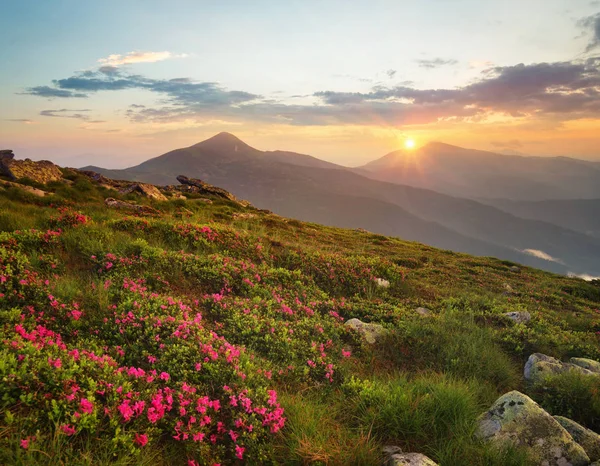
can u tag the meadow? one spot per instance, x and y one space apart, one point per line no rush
211 333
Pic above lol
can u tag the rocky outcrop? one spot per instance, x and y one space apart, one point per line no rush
41 172
539 366
140 209
393 456
370 332
519 317
200 187
423 311
589 364
588 439
518 420
147 190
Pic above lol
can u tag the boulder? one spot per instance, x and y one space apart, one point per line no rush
41 172
370 332
141 209
588 439
589 364
382 282
207 189
539 366
518 420
393 456
6 154
514 269
520 317
147 190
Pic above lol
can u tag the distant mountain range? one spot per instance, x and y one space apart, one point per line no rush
304 187
487 175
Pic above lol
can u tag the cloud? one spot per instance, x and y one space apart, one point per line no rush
436 62
47 91
19 120
137 57
559 91
583 276
68 113
391 73
592 23
542 255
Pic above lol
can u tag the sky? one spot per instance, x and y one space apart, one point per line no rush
114 83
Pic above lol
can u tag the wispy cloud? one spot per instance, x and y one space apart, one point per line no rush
52 92
78 114
560 90
591 24
436 62
542 255
26 121
583 276
137 57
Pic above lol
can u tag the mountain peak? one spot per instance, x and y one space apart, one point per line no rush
224 142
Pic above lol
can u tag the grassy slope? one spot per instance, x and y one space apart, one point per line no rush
277 291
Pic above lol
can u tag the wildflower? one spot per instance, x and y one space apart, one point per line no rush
68 429
346 354
25 443
239 452
164 376
86 406
141 439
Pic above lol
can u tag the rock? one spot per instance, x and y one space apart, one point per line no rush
147 190
514 269
423 311
370 332
210 190
588 439
393 456
29 189
41 172
141 209
243 215
382 282
518 420
539 366
520 317
6 154
589 364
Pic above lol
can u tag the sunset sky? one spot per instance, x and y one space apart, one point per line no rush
116 82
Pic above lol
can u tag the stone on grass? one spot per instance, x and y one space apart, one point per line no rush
519 317
423 311
370 332
393 456
539 366
517 420
589 364
588 439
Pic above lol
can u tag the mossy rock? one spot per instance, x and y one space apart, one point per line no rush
588 439
518 420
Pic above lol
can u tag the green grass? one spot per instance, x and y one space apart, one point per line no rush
422 387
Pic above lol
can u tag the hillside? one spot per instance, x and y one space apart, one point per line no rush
340 197
486 175
147 325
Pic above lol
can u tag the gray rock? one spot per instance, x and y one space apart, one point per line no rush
520 317
393 456
514 269
588 439
370 332
518 420
589 364
539 366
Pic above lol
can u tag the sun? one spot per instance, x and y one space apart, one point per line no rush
409 143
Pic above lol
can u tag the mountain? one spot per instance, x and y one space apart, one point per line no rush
340 197
581 215
480 174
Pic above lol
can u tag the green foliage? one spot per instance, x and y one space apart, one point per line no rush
572 395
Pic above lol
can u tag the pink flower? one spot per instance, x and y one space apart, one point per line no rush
164 376
86 406
76 313
141 439
239 452
25 443
346 354
57 363
68 429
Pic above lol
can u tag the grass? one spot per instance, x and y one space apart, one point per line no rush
279 290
